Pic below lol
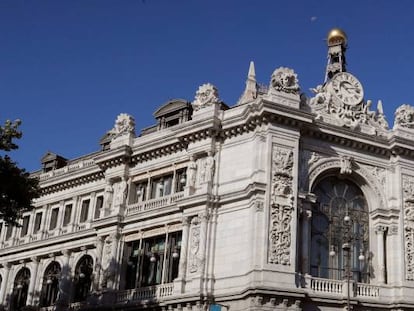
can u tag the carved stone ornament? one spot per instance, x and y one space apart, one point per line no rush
327 105
206 95
408 190
346 165
281 206
124 124
404 117
285 80
194 261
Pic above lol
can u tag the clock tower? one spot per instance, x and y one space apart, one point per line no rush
337 44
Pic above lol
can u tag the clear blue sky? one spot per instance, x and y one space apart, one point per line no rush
69 67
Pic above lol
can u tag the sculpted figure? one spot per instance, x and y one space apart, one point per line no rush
108 195
209 167
192 172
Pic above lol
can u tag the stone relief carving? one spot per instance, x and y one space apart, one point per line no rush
281 206
378 173
353 116
124 124
285 80
408 195
194 261
404 117
206 95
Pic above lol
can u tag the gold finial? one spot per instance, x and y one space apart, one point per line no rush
337 36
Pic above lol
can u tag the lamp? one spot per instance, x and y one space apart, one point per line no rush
153 258
183 179
175 254
49 280
82 275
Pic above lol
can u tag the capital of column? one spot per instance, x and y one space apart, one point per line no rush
66 252
186 221
380 229
35 259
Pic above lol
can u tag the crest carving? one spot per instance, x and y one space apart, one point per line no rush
404 117
285 80
124 124
206 95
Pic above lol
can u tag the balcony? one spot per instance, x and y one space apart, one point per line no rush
156 292
153 204
340 288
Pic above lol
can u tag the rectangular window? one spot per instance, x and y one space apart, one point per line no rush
180 180
38 222
67 215
161 186
140 191
84 210
98 206
145 266
53 218
9 232
25 226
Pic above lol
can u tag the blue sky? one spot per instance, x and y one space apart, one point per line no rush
69 67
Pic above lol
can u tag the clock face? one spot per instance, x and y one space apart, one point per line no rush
346 88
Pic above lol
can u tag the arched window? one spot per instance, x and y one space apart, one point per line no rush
83 278
50 287
339 231
20 288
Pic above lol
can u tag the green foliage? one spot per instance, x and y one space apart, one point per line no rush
17 188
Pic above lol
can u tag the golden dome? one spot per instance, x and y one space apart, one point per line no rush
336 36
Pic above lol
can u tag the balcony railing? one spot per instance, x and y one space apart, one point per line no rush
145 293
153 203
339 287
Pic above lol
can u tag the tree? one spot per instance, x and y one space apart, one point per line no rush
17 188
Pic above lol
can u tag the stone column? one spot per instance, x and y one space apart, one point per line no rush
32 284
203 242
184 248
64 283
98 264
4 283
306 236
380 231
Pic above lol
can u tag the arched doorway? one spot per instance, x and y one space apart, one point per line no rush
83 278
21 288
50 287
339 231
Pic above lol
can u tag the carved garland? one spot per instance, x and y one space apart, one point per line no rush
281 206
408 195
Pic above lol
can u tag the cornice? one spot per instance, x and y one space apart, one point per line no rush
114 157
71 183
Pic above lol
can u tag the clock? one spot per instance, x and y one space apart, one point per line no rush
346 88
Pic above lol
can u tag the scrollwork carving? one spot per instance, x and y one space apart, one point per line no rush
281 206
194 261
408 191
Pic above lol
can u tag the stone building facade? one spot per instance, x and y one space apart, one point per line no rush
280 202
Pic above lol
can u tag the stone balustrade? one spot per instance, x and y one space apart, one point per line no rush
153 203
66 169
145 293
339 287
